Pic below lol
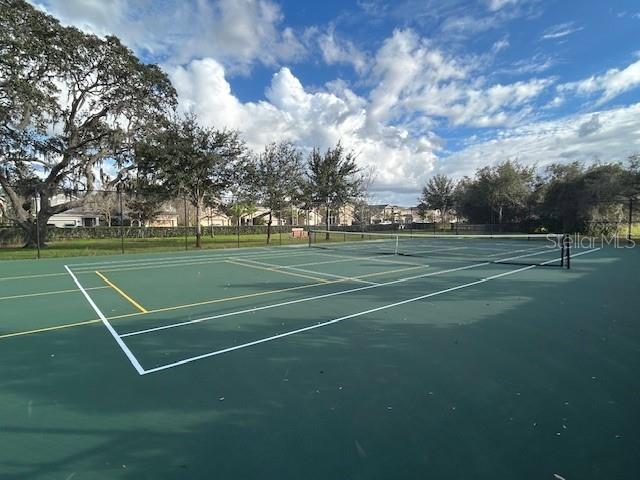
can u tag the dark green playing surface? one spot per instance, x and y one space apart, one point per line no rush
442 375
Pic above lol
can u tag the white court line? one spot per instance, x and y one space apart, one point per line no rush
177 263
192 258
340 319
298 300
308 299
192 254
343 259
116 337
501 252
291 267
375 258
438 250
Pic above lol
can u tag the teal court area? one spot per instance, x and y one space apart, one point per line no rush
351 359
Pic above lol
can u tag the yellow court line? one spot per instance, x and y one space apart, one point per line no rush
285 269
258 267
26 295
209 302
259 294
48 329
124 295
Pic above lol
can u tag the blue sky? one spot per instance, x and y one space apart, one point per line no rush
413 87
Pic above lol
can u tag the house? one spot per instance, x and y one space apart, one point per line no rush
167 218
387 213
83 216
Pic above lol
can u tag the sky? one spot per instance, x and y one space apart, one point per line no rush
413 87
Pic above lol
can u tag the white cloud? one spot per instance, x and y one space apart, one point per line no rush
336 50
414 77
590 126
495 5
318 119
467 24
610 84
560 30
236 33
609 135
537 64
500 45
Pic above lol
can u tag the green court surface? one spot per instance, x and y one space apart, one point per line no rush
306 363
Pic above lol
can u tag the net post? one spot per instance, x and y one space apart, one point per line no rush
566 249
397 240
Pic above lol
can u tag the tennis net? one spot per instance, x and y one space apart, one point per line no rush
548 250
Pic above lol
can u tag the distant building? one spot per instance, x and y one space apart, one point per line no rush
83 216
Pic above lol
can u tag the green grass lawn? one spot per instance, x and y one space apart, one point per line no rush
107 246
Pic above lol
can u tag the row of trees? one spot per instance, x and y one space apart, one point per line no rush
563 197
80 113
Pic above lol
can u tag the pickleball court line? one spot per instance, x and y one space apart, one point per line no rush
132 358
346 317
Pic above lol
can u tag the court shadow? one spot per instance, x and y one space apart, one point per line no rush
524 380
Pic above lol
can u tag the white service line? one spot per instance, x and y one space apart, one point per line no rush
291 267
342 259
178 257
184 262
340 319
132 358
299 300
501 251
316 297
438 250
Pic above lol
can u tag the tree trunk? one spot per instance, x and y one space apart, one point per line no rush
269 228
327 223
198 225
32 235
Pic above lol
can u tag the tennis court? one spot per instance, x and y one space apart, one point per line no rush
358 356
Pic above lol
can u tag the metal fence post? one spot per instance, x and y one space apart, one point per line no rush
121 220
37 226
186 228
630 219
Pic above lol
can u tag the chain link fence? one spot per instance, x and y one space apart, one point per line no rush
75 222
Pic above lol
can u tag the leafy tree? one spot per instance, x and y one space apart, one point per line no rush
576 198
361 209
423 210
333 179
503 190
198 162
70 101
277 175
439 194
